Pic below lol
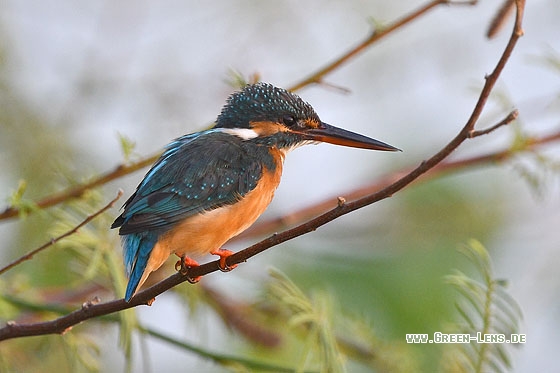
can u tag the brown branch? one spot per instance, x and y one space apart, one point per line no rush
278 223
79 190
374 36
500 18
241 317
122 170
507 120
444 167
89 310
89 218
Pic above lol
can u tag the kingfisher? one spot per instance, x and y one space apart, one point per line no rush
210 186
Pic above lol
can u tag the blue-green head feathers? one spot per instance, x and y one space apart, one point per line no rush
263 102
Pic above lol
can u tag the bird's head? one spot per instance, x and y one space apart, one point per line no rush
273 116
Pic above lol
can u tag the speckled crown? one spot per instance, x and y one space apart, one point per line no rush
262 102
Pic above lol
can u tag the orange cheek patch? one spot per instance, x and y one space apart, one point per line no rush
266 128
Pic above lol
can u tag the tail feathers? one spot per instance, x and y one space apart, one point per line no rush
137 248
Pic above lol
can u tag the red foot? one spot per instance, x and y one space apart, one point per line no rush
184 265
224 254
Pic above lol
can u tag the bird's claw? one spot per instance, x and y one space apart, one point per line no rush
224 254
184 265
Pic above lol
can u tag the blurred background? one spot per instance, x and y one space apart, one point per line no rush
82 81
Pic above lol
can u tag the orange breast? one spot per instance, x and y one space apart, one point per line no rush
208 231
202 233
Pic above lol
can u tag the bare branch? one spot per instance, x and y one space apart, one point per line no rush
89 218
507 120
500 18
89 310
376 35
79 190
215 357
298 216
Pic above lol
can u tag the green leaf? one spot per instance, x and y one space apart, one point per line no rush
503 355
127 146
465 315
17 201
488 300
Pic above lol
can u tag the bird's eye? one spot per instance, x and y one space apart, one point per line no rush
289 120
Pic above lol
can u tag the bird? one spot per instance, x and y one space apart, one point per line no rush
210 186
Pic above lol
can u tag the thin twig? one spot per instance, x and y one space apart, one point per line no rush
293 218
375 35
216 357
507 120
79 190
89 218
88 311
500 18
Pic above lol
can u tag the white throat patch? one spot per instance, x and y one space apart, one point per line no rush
244 133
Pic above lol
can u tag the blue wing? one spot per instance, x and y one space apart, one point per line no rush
197 172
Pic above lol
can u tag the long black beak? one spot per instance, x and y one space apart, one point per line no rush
334 135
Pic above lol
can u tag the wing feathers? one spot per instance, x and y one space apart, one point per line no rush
194 174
